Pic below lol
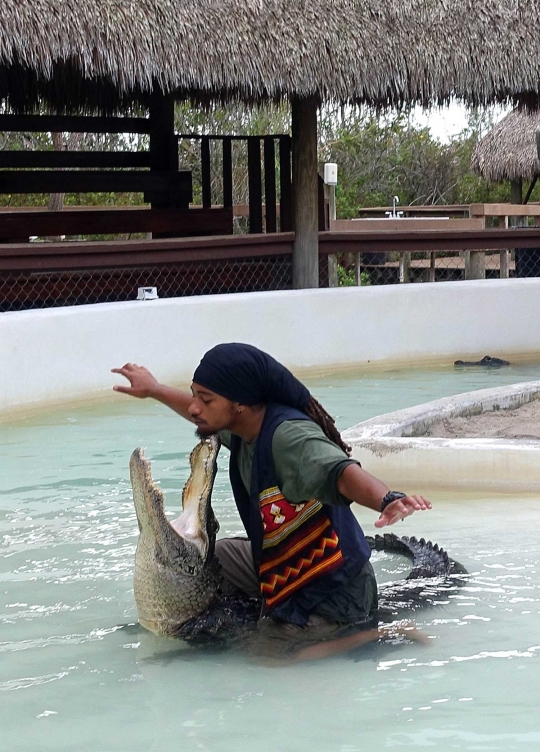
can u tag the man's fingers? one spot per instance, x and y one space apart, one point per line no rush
125 389
401 508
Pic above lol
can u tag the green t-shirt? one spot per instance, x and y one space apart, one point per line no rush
306 463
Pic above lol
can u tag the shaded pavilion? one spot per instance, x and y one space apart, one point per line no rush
114 56
510 152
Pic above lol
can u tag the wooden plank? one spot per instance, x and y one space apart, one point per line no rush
449 210
270 184
206 177
504 259
385 225
242 210
39 257
505 210
73 124
428 240
111 221
41 181
285 185
63 159
227 173
305 192
255 184
218 137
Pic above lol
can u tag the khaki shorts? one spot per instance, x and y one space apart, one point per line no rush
335 617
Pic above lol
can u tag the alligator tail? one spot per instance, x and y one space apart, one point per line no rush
434 576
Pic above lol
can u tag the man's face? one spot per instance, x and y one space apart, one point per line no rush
210 411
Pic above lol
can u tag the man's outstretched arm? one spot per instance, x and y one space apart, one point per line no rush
363 488
143 384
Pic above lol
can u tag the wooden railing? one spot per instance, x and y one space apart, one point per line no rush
73 255
262 191
66 273
19 226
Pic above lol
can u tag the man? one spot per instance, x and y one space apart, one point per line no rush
293 483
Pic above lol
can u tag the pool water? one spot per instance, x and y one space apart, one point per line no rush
72 680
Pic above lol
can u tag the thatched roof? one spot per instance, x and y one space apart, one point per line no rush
508 151
96 52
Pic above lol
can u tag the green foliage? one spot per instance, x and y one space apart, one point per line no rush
346 277
383 156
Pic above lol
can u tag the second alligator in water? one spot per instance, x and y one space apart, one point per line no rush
178 580
487 360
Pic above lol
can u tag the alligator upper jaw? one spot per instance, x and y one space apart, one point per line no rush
187 541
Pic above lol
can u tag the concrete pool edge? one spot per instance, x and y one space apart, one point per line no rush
392 446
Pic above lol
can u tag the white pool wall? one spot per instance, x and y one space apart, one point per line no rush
66 353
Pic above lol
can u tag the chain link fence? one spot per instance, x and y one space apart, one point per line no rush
394 268
23 291
31 290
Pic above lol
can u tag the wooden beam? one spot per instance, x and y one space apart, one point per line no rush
122 254
73 159
73 124
206 177
37 181
428 240
305 192
270 184
227 173
116 221
386 225
516 191
505 210
255 184
163 146
285 185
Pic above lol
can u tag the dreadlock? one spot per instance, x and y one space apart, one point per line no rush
317 413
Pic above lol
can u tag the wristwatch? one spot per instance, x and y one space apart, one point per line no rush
390 497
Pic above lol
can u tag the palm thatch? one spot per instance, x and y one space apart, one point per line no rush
508 151
100 53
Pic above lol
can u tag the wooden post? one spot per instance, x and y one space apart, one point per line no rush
475 263
332 258
358 269
285 186
163 144
404 267
305 192
516 191
516 197
255 184
504 254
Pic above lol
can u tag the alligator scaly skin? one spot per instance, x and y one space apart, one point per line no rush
432 579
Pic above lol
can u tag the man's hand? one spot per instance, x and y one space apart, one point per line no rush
401 508
142 383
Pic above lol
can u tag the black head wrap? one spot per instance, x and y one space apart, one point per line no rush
245 374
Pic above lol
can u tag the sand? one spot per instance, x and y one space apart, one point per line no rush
521 423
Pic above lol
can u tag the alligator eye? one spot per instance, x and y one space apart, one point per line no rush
191 570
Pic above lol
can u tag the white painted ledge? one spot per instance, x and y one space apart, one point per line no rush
392 446
62 354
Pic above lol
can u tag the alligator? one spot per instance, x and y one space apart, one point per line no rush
487 360
179 587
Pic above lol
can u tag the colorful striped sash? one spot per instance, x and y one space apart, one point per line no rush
299 545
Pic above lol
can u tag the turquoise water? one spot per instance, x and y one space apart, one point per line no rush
71 680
